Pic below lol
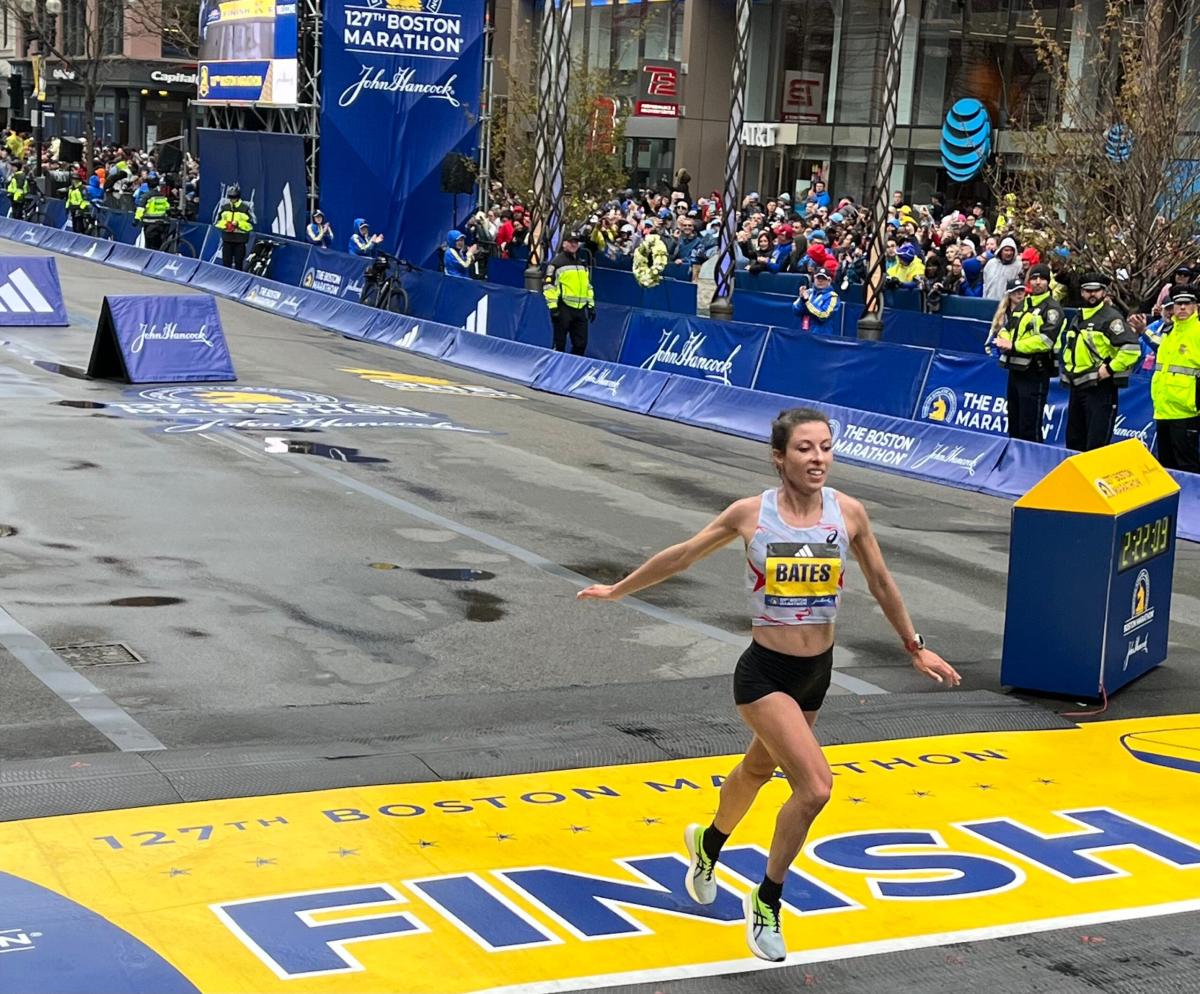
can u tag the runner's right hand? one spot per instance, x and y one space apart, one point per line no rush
598 591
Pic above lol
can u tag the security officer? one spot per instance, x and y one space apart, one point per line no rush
1027 351
235 221
1175 388
1097 350
569 295
18 190
79 207
152 214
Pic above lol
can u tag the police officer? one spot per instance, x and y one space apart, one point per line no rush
1027 351
235 221
152 214
1175 388
78 207
18 190
1097 350
569 295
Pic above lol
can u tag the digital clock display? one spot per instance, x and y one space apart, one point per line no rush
1141 544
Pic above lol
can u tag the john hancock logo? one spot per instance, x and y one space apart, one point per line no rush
169 333
1140 612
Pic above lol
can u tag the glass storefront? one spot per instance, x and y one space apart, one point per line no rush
617 36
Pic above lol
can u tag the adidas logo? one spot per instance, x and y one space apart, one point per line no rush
20 296
477 321
285 221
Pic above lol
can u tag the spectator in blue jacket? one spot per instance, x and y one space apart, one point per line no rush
362 242
318 230
685 245
817 306
781 254
972 281
456 260
95 189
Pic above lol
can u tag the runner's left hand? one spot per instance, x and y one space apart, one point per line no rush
597 591
935 667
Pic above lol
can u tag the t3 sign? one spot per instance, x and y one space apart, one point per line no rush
660 89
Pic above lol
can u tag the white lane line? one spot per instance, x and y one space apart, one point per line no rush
93 706
842 679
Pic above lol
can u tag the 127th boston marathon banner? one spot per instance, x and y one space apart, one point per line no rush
401 86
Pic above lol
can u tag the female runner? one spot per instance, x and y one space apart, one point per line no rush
797 537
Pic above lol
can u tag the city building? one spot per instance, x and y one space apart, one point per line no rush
144 84
815 81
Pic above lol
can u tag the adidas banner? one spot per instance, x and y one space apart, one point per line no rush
144 339
270 170
401 84
30 293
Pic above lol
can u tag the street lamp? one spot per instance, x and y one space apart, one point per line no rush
35 12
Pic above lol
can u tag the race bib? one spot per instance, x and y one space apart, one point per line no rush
802 575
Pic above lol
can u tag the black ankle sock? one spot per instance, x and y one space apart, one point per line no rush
770 891
713 839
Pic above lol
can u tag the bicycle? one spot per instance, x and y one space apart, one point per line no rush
87 222
35 206
258 263
173 241
382 287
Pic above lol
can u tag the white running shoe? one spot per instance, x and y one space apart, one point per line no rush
699 882
764 930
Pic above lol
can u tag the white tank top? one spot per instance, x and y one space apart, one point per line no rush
794 576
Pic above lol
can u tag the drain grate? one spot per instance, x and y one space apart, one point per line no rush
98 654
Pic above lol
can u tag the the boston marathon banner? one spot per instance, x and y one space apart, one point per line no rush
401 84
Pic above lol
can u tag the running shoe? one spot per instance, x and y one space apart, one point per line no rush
700 884
764 930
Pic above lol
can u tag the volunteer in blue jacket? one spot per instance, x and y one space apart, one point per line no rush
318 231
362 242
456 260
817 306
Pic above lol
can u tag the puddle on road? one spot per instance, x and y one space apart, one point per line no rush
84 404
144 601
75 372
456 575
481 606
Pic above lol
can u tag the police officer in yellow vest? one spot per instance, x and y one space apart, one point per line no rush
78 207
235 221
1026 348
18 190
1175 388
568 293
1097 350
152 215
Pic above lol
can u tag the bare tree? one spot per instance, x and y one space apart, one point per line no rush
1111 177
177 22
595 140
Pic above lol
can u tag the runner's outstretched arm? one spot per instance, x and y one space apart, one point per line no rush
722 530
883 588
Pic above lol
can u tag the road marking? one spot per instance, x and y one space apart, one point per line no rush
88 701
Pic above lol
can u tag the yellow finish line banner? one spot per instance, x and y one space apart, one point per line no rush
568 880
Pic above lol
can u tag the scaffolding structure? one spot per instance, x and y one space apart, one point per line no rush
305 118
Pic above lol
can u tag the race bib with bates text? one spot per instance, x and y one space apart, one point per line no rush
802 575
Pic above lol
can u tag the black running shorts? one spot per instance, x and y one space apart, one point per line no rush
762 671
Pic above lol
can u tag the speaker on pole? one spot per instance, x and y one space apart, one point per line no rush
458 173
70 150
170 158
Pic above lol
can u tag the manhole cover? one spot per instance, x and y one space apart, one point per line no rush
98 654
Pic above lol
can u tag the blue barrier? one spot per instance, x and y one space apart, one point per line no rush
160 339
194 233
788 284
733 410
127 257
606 335
507 272
903 299
121 225
1188 524
30 293
347 317
289 262
31 234
964 334
976 308
56 213
335 273
723 351
511 360
616 287
93 249
58 240
1020 466
164 266
492 310
422 337
269 295
872 376
219 280
602 382
971 392
907 327
774 309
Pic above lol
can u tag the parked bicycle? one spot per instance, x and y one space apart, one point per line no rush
89 221
258 263
35 206
382 286
173 241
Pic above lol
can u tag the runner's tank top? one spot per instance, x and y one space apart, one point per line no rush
794 576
